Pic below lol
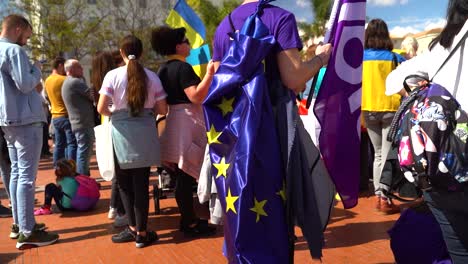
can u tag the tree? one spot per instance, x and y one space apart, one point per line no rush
212 15
63 27
137 17
306 31
322 10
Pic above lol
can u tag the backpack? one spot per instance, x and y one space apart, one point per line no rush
431 131
87 194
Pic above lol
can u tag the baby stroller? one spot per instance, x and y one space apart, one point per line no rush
166 181
166 178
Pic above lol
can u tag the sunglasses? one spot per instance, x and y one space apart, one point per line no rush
186 41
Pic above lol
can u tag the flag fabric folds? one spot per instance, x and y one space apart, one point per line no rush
338 104
245 153
199 58
182 15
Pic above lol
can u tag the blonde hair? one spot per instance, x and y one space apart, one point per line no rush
410 46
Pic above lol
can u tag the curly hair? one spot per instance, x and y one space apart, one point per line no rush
165 39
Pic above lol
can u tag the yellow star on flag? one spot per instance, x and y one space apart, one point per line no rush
213 135
230 200
222 168
226 105
282 192
258 209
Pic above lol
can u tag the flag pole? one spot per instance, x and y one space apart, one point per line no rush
326 39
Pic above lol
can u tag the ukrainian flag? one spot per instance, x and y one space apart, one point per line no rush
182 15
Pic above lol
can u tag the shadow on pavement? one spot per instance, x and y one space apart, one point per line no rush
351 235
9 257
339 214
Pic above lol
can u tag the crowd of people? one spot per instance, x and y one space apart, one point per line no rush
132 96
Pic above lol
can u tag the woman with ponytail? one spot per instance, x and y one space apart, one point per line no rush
137 96
184 139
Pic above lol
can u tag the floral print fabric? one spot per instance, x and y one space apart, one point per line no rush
433 133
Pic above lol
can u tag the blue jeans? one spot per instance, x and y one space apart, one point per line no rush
65 143
85 140
5 164
378 125
451 212
24 147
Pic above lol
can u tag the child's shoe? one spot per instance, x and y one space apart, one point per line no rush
43 211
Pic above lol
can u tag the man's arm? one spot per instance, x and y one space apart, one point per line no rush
83 89
295 72
26 76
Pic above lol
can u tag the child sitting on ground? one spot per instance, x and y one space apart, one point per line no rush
64 191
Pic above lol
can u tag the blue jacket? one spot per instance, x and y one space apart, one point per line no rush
20 103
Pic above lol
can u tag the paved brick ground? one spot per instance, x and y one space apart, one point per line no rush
353 236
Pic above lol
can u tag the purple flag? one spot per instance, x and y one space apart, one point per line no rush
338 104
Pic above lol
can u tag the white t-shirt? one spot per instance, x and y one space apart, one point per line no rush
115 83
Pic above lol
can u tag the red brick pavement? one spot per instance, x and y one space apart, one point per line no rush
353 236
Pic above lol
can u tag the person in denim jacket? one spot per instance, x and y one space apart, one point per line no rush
21 119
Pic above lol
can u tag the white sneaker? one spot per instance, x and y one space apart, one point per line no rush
121 221
112 213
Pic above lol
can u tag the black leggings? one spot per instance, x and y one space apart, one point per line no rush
53 191
184 197
134 186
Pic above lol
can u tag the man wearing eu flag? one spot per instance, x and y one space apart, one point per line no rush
261 155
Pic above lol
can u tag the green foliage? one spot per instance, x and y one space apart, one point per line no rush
212 15
58 31
322 9
306 29
75 28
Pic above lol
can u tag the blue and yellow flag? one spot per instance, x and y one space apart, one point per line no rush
182 15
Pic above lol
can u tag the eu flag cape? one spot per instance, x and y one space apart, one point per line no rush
247 165
262 191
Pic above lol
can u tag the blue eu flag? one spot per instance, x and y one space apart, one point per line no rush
245 152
